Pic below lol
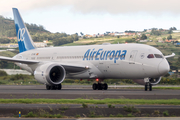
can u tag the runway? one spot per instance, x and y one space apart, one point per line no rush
39 91
73 92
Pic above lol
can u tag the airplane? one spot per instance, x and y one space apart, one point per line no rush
142 63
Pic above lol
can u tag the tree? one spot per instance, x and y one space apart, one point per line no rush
172 28
154 31
164 38
81 33
169 31
143 37
169 37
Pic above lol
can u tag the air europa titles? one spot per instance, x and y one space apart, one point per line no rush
105 54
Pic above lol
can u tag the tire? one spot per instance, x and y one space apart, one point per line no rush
59 87
48 87
105 86
145 88
99 86
94 86
150 87
53 87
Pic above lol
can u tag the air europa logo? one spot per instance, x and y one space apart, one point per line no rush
105 54
21 32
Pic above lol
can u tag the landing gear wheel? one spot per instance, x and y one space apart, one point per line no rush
145 88
94 86
59 87
105 86
48 87
99 86
53 87
150 87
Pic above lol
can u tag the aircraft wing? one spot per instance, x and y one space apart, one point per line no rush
69 67
18 60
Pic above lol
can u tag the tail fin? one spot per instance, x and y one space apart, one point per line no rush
25 41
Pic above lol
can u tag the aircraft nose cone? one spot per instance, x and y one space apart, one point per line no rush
163 67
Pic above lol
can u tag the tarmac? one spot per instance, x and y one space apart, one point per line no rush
86 92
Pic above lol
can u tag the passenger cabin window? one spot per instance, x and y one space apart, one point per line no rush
158 56
150 56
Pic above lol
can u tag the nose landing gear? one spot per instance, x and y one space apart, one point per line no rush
148 85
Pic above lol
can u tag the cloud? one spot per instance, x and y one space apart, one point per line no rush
127 6
96 6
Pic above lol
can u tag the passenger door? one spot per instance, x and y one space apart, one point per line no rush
133 57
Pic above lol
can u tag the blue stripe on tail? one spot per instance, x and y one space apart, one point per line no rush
24 39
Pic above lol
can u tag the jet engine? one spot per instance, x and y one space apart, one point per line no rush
153 81
50 74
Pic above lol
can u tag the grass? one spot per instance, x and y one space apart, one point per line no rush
93 101
166 113
7 54
44 115
171 88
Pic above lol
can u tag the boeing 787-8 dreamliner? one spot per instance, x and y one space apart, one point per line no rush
50 66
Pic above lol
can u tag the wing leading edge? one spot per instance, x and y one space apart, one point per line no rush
69 67
18 60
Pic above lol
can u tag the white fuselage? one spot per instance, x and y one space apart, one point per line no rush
105 61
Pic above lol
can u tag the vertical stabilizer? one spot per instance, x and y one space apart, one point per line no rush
25 41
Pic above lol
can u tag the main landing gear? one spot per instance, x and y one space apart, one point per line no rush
148 86
100 86
54 87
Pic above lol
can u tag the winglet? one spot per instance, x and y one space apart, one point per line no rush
168 56
25 41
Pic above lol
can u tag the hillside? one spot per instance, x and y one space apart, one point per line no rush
37 32
7 28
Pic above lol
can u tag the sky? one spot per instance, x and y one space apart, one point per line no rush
96 16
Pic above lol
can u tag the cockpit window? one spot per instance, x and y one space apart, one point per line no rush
150 56
158 56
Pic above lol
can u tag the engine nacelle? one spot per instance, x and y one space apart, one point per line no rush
153 81
50 74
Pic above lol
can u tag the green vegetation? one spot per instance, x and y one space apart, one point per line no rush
166 113
143 37
37 32
119 115
77 116
130 115
111 106
45 115
89 101
131 109
92 114
84 105
17 79
157 112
